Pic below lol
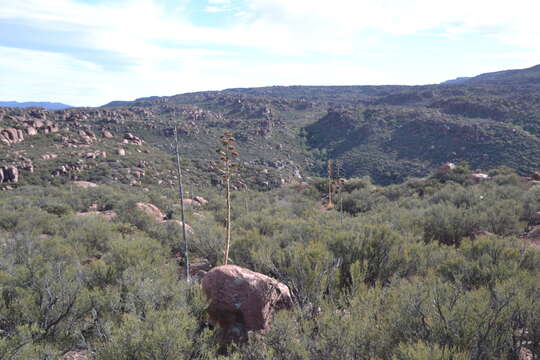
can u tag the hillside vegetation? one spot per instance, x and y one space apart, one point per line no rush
286 133
405 259
404 275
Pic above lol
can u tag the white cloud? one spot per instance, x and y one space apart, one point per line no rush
216 6
514 22
213 9
219 2
280 26
147 40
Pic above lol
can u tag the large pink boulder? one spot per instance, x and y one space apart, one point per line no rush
242 300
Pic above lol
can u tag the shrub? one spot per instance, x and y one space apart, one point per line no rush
448 224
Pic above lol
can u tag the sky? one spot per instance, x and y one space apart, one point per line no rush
91 52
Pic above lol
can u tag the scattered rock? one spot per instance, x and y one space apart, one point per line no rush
535 176
151 210
51 129
198 267
107 134
11 136
10 174
107 215
190 203
242 300
48 156
129 138
475 235
121 152
138 173
534 234
77 355
446 168
478 177
525 354
95 154
198 215
83 184
189 229
200 200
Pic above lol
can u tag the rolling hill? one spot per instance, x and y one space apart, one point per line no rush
45 105
285 133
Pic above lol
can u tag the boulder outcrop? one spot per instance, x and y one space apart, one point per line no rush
129 138
178 223
478 177
446 168
11 136
107 134
151 210
9 174
200 200
31 131
242 300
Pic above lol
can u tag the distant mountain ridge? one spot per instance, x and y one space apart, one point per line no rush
44 104
286 133
457 80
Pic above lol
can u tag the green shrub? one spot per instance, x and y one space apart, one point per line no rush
164 335
448 224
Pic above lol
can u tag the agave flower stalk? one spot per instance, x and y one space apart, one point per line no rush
228 155
330 180
340 182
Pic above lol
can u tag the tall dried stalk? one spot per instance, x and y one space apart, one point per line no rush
181 195
330 180
227 155
340 182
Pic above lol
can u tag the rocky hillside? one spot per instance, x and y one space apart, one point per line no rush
132 143
284 134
